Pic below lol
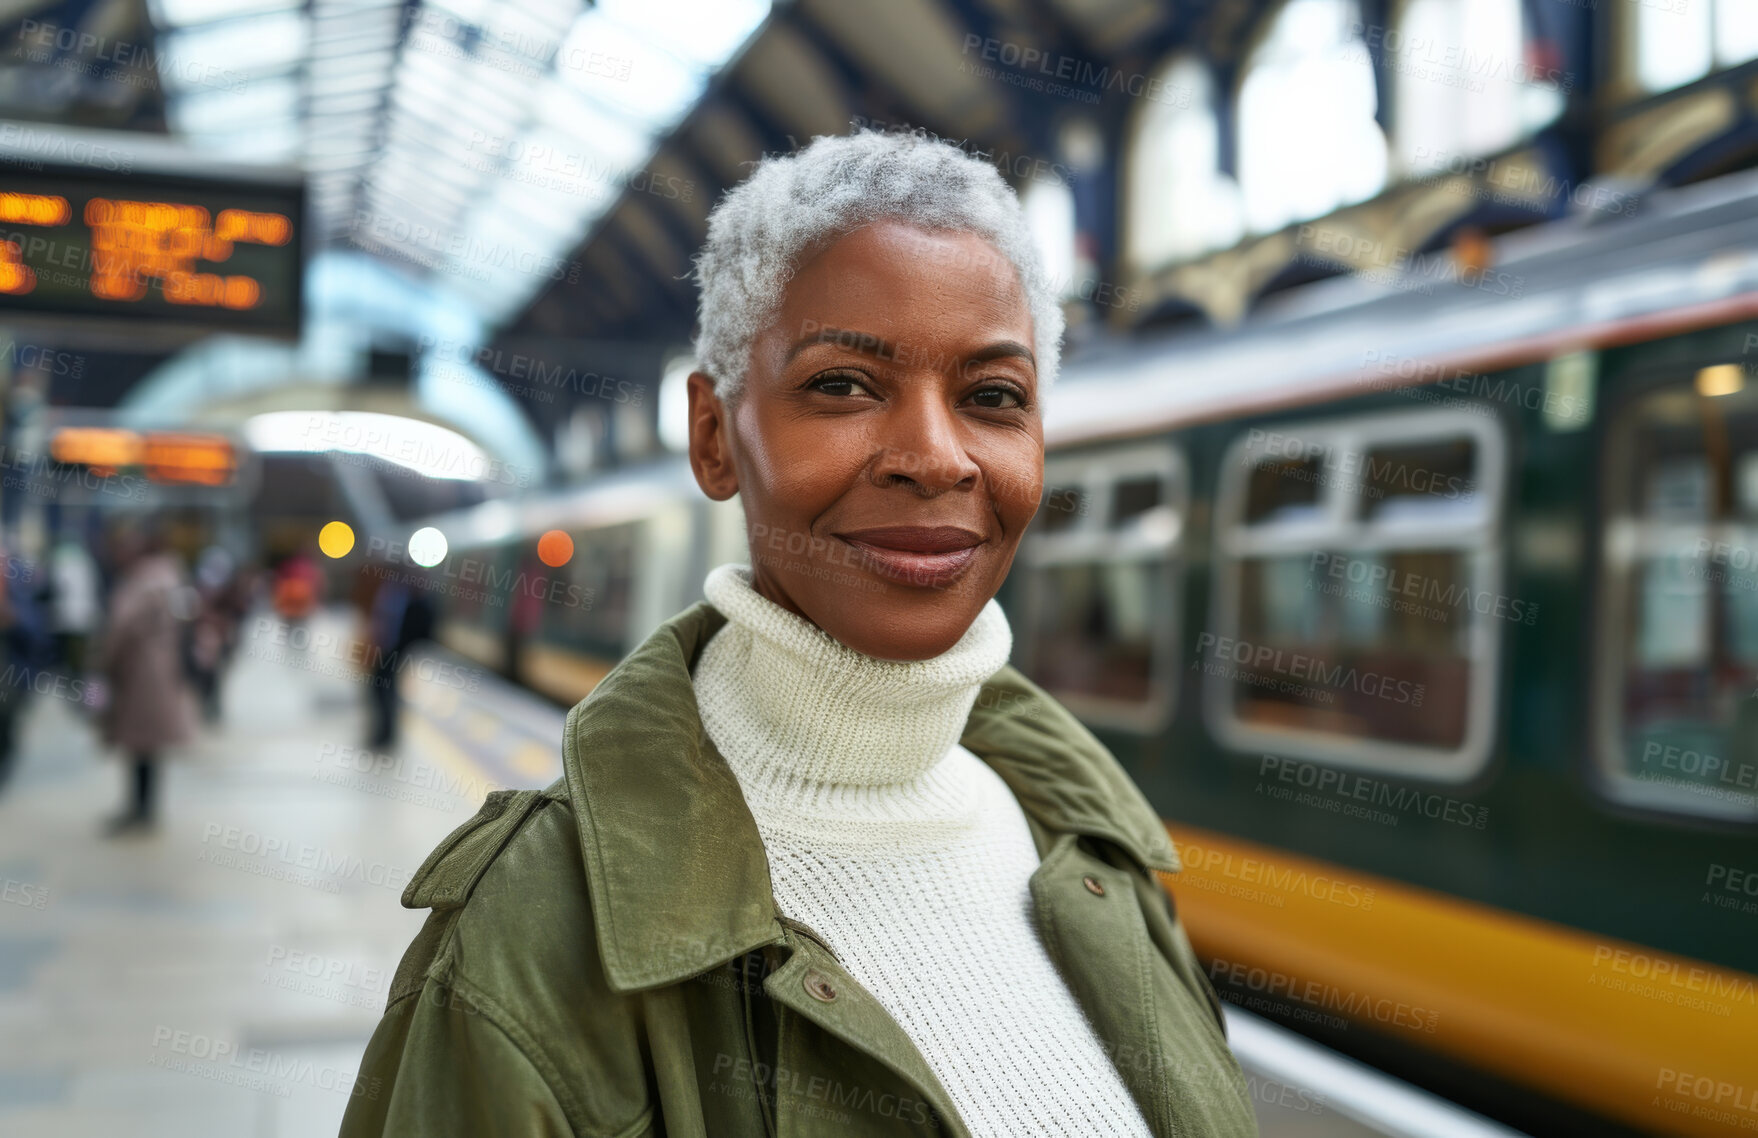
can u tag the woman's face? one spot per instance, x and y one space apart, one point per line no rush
887 444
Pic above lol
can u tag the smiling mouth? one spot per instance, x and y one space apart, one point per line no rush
916 555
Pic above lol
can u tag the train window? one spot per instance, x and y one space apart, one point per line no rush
1676 715
1132 498
1415 481
586 601
1099 588
1283 490
1357 603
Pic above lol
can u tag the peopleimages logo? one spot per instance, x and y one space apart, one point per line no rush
1379 579
1298 665
1329 780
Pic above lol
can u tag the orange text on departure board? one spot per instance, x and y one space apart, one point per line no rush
16 277
137 242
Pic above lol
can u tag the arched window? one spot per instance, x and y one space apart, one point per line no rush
1668 43
1049 213
1179 204
1308 142
1464 83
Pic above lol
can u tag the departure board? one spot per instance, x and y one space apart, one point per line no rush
150 247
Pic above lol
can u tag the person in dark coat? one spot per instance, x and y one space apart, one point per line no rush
150 707
402 617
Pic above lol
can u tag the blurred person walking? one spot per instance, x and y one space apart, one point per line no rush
298 588
22 649
401 617
149 706
211 634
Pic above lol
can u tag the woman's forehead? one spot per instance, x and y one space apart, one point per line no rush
905 268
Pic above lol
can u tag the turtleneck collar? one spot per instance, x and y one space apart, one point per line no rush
812 710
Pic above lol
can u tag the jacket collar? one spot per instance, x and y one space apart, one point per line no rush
676 868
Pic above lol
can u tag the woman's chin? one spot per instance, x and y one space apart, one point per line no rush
893 628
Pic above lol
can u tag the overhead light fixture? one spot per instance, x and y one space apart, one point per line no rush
426 448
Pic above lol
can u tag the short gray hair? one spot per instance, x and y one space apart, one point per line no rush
792 204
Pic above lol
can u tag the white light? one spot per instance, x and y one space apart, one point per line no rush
674 403
1049 214
427 547
426 448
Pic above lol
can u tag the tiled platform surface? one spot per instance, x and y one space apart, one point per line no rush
220 976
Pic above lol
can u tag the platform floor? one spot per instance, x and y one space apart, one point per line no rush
221 975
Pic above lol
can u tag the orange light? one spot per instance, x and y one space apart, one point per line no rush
257 228
96 446
555 549
171 457
34 209
206 460
16 277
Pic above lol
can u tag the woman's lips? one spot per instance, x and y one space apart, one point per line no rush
916 555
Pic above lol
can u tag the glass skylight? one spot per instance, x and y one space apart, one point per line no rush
475 140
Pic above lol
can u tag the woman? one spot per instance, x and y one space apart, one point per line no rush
140 655
821 863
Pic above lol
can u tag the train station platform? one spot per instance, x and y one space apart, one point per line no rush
221 974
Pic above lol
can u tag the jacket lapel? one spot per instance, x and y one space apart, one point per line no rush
676 868
1063 777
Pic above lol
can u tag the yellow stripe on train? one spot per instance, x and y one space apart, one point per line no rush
1659 1041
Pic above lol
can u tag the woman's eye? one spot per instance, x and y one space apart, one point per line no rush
997 398
838 385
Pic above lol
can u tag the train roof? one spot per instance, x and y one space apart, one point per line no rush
626 494
1688 256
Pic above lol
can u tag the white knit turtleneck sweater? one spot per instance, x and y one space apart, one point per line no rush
908 854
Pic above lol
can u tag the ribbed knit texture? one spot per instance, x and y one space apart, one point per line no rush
908 854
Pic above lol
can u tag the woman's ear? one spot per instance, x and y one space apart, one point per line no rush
711 457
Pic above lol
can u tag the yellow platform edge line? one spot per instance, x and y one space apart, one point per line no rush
1658 1040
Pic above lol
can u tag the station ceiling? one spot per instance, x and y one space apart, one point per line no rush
813 68
552 161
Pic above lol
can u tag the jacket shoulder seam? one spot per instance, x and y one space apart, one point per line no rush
438 885
482 1003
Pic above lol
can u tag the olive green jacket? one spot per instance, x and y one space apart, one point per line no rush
604 958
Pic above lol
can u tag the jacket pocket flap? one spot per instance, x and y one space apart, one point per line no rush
451 871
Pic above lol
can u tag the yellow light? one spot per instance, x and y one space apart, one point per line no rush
336 539
1720 379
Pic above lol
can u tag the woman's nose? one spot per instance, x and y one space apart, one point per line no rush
922 445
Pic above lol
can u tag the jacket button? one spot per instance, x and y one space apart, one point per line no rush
1094 885
819 985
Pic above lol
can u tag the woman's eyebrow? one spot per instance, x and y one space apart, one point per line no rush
866 343
1003 350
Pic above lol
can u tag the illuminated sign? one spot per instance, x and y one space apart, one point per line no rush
222 254
172 457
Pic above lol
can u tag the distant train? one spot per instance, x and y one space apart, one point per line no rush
1428 618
